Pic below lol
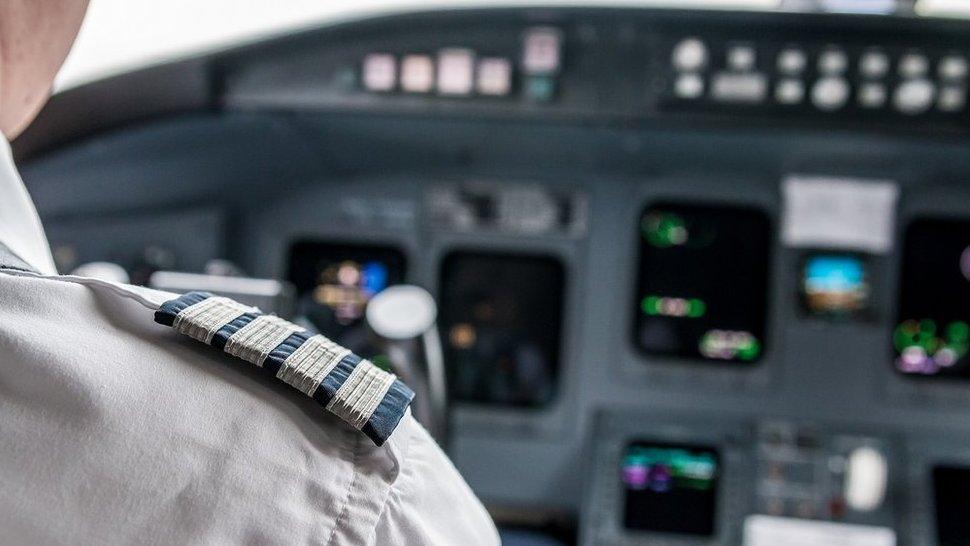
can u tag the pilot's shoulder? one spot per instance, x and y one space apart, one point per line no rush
368 398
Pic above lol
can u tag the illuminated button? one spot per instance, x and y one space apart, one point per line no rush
417 74
874 64
689 55
540 50
455 71
952 99
540 88
833 62
748 88
914 96
789 91
689 86
380 72
872 95
741 58
953 67
913 65
791 61
494 76
830 93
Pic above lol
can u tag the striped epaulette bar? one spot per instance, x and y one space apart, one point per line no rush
368 398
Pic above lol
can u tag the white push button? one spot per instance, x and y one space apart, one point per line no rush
874 64
872 95
741 58
790 91
913 65
953 67
867 474
748 88
379 72
952 99
791 61
689 86
690 54
830 93
914 96
833 62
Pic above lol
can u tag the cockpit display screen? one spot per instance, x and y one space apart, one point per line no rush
933 326
501 321
334 282
703 277
670 488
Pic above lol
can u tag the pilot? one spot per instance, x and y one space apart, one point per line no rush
118 424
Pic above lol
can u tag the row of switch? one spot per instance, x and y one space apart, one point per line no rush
741 82
691 55
829 93
458 72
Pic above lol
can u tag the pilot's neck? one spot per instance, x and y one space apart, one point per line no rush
20 227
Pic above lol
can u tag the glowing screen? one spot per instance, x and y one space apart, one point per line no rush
933 323
834 285
335 281
670 489
703 277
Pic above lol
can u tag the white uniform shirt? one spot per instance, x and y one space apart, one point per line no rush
115 429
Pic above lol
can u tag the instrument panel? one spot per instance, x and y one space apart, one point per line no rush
676 305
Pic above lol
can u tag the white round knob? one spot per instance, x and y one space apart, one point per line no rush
401 312
867 473
830 93
690 54
914 96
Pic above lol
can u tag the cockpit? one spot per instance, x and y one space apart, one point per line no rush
660 276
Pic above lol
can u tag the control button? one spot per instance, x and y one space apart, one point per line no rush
830 93
689 86
746 88
867 474
494 76
689 55
455 71
540 50
953 67
952 99
913 65
872 95
741 58
874 64
914 96
540 88
791 61
417 74
380 72
833 62
789 91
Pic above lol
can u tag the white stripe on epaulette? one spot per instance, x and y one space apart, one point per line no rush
310 363
358 396
202 320
254 341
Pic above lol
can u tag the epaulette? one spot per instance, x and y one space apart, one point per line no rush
368 398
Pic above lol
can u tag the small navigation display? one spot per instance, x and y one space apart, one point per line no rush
501 321
952 504
703 276
835 286
670 488
933 324
334 282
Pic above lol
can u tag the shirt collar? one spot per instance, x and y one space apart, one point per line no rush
20 227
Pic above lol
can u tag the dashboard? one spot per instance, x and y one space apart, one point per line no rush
702 277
